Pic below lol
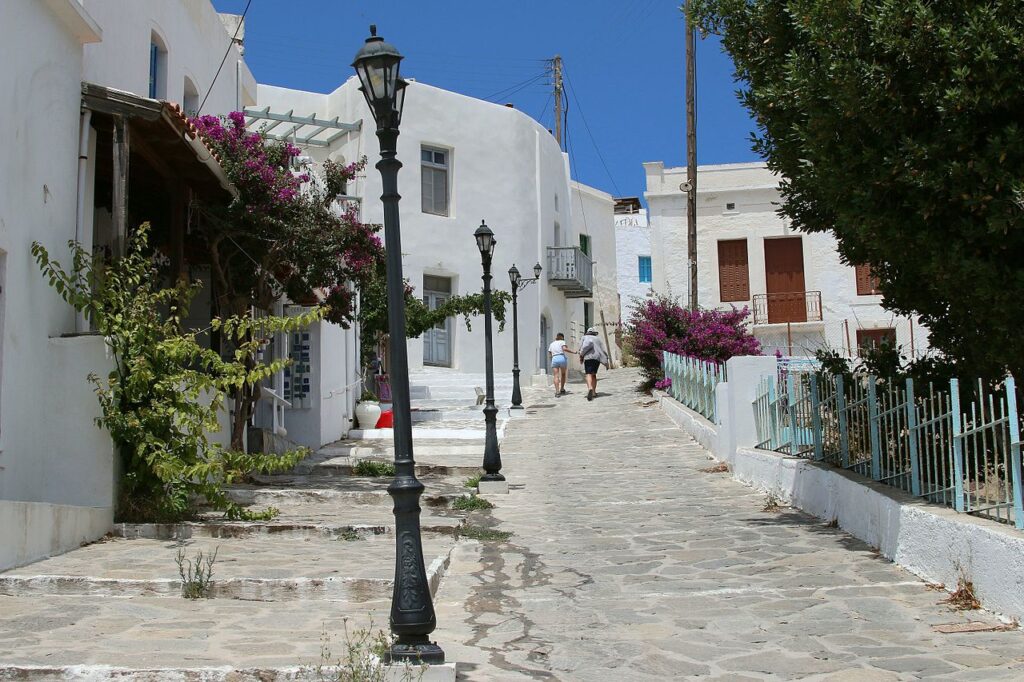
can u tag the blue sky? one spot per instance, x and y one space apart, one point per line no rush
624 62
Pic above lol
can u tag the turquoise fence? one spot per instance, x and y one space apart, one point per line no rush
925 442
694 382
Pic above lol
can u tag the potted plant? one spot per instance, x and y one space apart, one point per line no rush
368 410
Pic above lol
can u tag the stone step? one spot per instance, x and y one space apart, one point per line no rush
343 466
94 673
297 530
300 489
258 568
158 638
381 447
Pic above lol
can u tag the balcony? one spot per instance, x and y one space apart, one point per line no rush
798 306
571 271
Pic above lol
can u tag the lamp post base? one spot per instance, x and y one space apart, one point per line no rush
427 652
516 407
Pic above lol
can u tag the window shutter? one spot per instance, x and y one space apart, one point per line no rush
427 189
733 270
440 192
867 283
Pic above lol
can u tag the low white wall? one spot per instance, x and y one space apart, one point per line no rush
30 531
933 542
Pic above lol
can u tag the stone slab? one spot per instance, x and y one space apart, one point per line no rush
492 488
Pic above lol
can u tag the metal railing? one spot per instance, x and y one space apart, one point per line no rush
693 383
571 270
798 306
924 442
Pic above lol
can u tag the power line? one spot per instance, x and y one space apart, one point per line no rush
575 99
226 53
512 89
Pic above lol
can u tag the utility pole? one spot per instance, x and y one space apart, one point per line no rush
691 155
556 67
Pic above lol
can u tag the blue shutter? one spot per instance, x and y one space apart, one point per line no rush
154 55
644 267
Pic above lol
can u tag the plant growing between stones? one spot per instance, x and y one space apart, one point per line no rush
196 575
166 391
473 481
771 503
720 468
472 503
362 660
483 534
349 535
374 468
963 597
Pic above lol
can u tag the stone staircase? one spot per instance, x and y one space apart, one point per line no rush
113 609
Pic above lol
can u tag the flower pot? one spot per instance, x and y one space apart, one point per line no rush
367 413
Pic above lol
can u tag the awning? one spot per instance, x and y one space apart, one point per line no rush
163 135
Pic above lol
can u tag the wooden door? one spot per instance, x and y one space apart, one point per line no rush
784 280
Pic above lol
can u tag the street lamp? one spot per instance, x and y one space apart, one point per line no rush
485 242
518 284
412 610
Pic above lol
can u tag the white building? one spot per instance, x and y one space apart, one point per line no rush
632 253
467 161
801 296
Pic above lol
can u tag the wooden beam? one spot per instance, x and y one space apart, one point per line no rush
120 182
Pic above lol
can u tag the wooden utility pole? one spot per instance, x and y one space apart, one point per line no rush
556 68
691 155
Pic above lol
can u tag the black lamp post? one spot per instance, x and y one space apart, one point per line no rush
412 610
485 242
518 284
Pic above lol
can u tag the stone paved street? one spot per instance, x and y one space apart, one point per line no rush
627 562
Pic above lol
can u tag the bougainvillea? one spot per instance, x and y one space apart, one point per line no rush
285 233
661 324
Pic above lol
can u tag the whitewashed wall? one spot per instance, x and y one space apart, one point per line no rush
505 168
753 190
196 42
632 240
593 214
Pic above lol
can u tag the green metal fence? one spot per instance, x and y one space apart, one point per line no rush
694 382
926 443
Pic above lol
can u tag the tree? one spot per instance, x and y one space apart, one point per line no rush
373 310
896 124
285 235
163 397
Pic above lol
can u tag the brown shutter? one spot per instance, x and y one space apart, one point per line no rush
867 283
733 272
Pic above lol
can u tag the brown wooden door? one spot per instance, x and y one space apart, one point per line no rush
784 280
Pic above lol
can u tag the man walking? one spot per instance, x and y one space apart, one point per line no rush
592 355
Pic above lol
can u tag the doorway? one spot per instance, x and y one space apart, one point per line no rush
437 341
544 343
784 280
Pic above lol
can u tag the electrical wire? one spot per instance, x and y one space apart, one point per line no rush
505 92
225 58
572 90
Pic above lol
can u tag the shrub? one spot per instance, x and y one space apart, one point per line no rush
661 324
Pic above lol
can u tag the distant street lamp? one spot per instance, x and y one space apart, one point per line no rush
485 242
518 284
412 610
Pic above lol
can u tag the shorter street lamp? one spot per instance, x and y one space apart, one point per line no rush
485 242
518 284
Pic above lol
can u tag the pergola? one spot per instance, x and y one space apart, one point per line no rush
299 130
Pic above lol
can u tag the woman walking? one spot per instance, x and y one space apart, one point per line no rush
592 355
559 362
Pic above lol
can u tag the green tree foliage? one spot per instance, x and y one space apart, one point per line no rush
161 401
897 125
373 310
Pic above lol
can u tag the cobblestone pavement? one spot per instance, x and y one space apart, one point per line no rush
627 562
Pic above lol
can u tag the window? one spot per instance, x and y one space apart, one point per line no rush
157 67
585 243
644 269
730 207
588 315
434 180
190 97
871 339
867 282
733 270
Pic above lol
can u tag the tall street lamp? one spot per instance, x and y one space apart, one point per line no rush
485 242
518 284
412 610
